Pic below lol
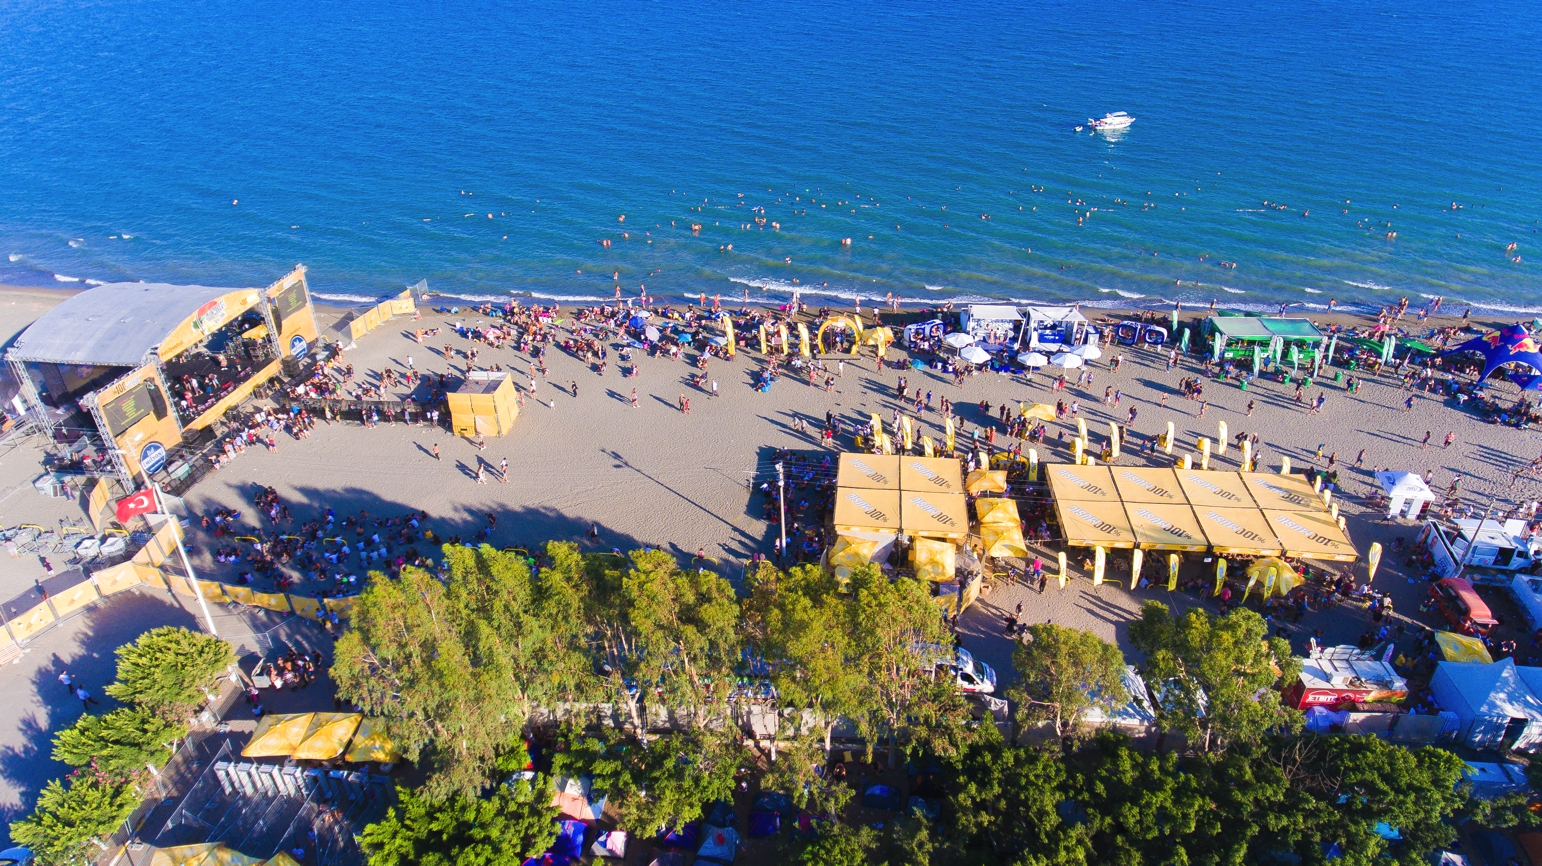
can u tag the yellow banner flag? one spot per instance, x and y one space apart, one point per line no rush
1220 574
907 433
1113 440
1137 559
728 334
1167 441
1061 557
928 447
782 332
763 340
1099 562
877 425
1173 561
1033 464
949 429
1372 559
1247 455
803 340
1220 439
1204 453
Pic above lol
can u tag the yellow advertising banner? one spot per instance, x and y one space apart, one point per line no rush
26 625
271 601
76 597
304 606
117 578
96 503
342 605
1099 565
237 593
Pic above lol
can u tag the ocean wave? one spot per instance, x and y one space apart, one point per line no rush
932 288
1122 293
63 279
95 283
1311 291
1375 287
1451 302
1232 290
15 257
77 243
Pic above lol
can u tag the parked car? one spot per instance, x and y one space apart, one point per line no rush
1462 606
973 677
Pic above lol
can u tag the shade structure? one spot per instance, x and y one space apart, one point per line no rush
958 340
999 511
867 509
1092 523
278 735
1214 489
182 855
484 405
1087 352
1158 486
1032 359
1165 527
931 474
935 515
1311 535
371 742
1041 411
1081 483
1066 359
1285 578
1282 492
1233 531
223 856
1461 648
934 560
986 481
1002 540
327 736
851 552
282 858
975 355
1512 344
868 471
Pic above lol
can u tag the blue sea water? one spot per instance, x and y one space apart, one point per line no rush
221 143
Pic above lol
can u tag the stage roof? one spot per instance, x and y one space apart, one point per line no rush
113 325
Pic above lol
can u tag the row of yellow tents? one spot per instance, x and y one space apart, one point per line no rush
322 737
214 854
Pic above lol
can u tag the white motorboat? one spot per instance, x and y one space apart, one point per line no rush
1113 120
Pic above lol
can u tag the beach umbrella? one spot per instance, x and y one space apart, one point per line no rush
1087 352
651 332
1066 360
975 355
718 341
1033 359
959 340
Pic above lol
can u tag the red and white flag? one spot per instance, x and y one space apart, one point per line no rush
142 502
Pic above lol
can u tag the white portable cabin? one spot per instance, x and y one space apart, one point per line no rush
1406 492
1493 705
1053 329
992 324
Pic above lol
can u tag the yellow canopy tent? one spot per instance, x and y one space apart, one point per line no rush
1311 535
1237 531
867 510
1285 578
278 735
986 481
1002 540
937 515
868 471
1100 524
934 560
328 735
1041 411
182 855
371 743
1282 492
851 552
931 474
280 859
1214 488
223 856
1165 527
1081 483
1147 485
1461 648
998 511
483 405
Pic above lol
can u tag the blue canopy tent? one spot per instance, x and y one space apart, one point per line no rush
1512 344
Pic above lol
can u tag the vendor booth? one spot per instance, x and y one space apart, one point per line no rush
154 364
1252 339
1053 329
993 326
1406 493
1492 703
483 405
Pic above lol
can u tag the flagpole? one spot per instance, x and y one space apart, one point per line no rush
192 578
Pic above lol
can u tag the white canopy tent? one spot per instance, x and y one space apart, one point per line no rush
1051 329
1491 702
1406 491
992 323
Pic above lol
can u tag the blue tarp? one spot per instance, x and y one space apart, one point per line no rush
721 844
570 839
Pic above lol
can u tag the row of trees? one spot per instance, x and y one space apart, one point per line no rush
162 679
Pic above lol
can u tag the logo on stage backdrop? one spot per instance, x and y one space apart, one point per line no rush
298 348
153 457
209 316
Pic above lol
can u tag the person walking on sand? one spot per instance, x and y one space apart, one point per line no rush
680 401
574 387
1251 404
1408 404
85 698
436 450
1424 444
481 471
1450 439
634 398
503 471
69 681
714 387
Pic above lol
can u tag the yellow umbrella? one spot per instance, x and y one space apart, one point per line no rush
852 552
986 481
993 510
1003 540
1461 648
934 559
181 855
371 743
277 736
1041 411
328 735
280 859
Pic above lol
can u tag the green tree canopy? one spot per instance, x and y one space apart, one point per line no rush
1008 797
895 634
516 821
1216 675
840 845
665 784
1062 672
67 818
119 744
168 670
460 665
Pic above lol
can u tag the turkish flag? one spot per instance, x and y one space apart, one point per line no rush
140 503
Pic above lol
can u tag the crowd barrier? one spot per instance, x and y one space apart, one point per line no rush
361 322
144 569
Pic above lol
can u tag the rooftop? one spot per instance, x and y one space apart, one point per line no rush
112 325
